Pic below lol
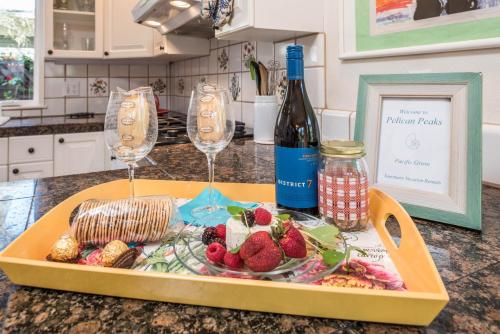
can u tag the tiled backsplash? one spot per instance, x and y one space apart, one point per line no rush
227 66
93 83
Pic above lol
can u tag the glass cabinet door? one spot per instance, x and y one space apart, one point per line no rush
74 28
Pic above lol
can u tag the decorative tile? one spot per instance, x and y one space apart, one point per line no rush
159 86
180 87
118 71
76 70
76 105
212 62
158 70
98 70
281 86
115 83
187 86
235 86
137 71
53 70
247 54
98 87
98 105
235 58
55 107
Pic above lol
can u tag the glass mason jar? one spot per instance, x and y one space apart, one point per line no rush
343 185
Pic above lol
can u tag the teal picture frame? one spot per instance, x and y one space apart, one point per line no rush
472 217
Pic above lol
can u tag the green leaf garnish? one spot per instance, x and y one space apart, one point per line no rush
323 234
235 250
332 257
235 210
283 217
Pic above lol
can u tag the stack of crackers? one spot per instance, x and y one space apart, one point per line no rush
129 220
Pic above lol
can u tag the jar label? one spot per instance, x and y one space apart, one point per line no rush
343 197
296 177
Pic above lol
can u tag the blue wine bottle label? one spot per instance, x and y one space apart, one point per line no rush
296 177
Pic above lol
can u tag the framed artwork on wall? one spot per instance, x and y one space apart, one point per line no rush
379 28
422 134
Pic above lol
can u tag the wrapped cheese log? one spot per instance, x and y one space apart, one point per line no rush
133 120
211 118
139 219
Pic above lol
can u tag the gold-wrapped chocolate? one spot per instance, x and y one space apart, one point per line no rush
112 251
65 249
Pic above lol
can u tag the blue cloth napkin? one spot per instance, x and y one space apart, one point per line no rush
214 218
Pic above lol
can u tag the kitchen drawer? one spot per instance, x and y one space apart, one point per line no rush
30 149
3 174
35 170
4 150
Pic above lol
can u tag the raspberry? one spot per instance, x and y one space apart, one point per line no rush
208 235
215 252
221 231
248 218
262 216
233 261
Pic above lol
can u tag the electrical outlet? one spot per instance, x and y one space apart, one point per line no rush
72 88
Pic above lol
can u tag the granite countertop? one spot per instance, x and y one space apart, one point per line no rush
50 125
468 262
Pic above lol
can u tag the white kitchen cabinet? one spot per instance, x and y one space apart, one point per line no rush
4 174
77 153
276 20
33 170
74 30
4 151
30 149
123 38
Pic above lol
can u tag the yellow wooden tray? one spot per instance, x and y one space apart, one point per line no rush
23 262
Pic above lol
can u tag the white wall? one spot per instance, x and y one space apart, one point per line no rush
342 77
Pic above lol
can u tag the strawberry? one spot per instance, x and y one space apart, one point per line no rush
260 253
215 252
220 230
233 261
293 243
262 216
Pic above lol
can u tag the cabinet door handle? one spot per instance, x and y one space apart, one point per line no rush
113 158
15 171
106 53
50 52
31 150
162 47
61 140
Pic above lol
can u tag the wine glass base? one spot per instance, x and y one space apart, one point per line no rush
210 215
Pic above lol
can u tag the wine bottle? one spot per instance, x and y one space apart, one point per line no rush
296 142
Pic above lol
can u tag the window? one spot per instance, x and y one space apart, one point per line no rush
19 61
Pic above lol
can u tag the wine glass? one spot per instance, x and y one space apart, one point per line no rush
210 126
131 127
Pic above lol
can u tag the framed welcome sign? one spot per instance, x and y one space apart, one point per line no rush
375 28
422 134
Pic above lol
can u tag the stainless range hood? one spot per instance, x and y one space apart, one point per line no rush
181 17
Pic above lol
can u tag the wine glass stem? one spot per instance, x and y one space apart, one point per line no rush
131 179
211 168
